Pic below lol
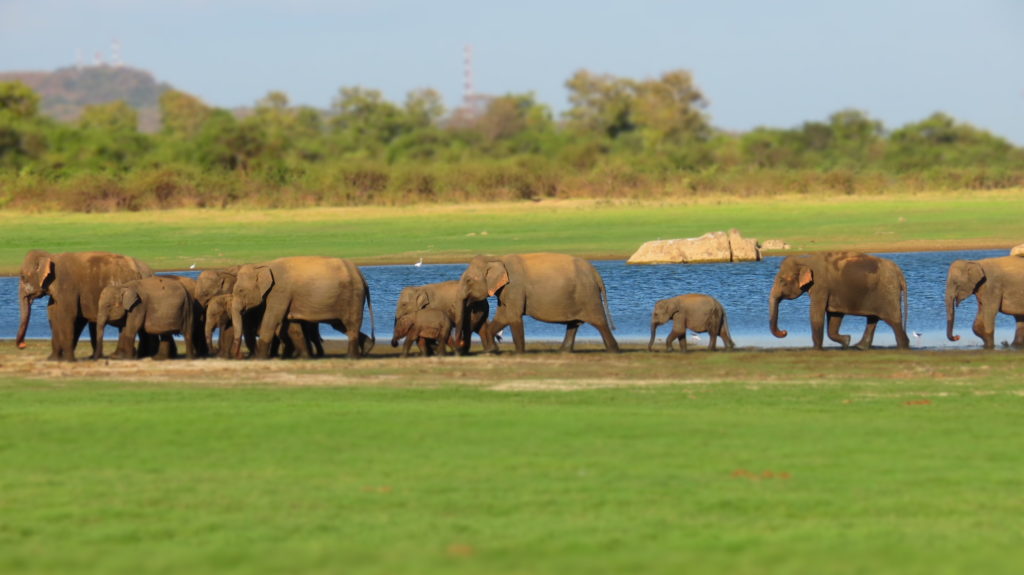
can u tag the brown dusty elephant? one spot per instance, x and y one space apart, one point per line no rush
553 288
302 338
218 317
443 296
198 314
73 280
694 311
998 283
842 283
426 327
303 288
155 306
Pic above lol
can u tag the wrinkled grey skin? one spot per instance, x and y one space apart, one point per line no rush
306 288
426 327
155 305
73 280
697 312
839 284
302 339
443 296
998 283
553 288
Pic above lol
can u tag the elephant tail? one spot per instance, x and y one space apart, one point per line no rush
369 304
906 306
604 299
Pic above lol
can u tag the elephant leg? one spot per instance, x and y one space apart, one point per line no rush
441 348
985 324
673 336
407 345
1018 335
93 338
487 334
869 333
727 338
610 345
713 339
424 344
570 336
818 320
834 321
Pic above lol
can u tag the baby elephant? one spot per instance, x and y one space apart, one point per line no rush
696 312
154 306
425 327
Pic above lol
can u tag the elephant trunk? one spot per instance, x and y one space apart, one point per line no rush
101 324
394 334
654 329
236 319
208 332
951 303
25 303
773 310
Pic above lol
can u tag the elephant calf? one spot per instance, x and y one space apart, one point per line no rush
154 306
696 312
426 327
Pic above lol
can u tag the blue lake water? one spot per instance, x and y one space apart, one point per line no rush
632 290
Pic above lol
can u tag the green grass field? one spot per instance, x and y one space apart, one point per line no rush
783 461
744 462
445 233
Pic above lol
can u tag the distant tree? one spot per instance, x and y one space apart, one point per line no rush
108 138
424 107
182 115
601 104
18 100
939 140
22 135
364 122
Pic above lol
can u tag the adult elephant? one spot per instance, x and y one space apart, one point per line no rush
840 284
998 283
73 280
553 288
303 288
443 296
302 338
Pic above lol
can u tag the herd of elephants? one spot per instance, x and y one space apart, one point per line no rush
276 307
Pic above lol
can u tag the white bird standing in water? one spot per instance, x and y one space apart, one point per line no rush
193 266
916 334
418 264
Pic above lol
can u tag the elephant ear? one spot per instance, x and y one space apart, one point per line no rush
264 279
974 274
806 277
44 268
422 300
496 277
130 298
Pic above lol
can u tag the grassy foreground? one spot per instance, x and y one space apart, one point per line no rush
747 462
175 239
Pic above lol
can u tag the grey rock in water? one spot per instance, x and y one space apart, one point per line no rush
712 247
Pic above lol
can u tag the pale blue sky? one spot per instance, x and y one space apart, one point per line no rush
758 63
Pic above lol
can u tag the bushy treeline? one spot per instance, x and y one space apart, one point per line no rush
620 137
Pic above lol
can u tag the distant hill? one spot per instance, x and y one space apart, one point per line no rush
67 91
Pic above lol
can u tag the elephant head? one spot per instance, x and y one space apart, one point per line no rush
663 313
961 283
218 313
411 300
402 326
37 273
483 278
252 285
794 278
215 282
115 303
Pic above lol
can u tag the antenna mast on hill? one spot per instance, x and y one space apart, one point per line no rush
115 53
468 96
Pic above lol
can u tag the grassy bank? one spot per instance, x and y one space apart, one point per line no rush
177 238
750 462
